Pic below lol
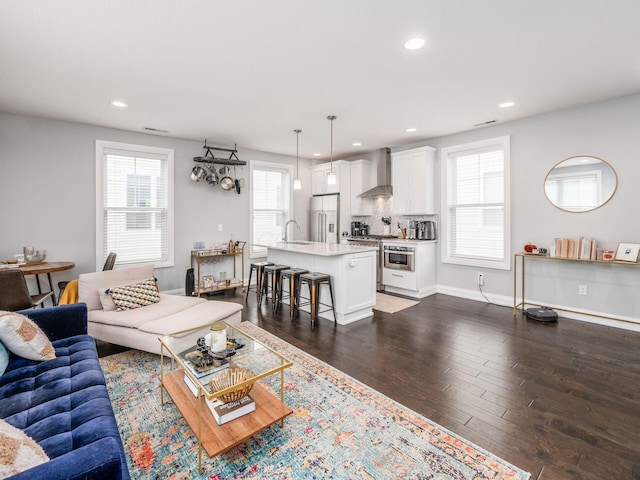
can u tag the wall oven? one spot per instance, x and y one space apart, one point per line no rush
399 258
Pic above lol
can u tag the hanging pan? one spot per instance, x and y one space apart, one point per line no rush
227 183
236 181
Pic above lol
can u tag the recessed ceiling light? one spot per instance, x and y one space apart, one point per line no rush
356 144
506 104
317 154
411 130
414 43
119 104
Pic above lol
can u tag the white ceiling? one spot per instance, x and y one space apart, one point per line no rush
251 71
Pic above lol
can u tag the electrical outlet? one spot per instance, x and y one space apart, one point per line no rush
582 289
219 227
480 279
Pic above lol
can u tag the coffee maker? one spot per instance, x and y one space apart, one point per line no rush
426 230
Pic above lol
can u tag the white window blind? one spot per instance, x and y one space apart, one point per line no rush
135 204
476 204
270 203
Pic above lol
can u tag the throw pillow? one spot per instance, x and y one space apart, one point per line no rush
24 338
18 451
136 295
106 300
4 358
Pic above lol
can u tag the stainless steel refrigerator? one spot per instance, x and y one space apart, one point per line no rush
324 221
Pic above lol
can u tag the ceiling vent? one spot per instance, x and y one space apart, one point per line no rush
156 130
482 124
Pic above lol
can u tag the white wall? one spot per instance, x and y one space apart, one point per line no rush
47 193
609 130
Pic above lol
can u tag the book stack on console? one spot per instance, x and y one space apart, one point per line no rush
583 248
225 412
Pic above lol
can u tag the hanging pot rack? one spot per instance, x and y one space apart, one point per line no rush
209 157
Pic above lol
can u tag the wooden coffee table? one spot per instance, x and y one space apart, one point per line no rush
213 438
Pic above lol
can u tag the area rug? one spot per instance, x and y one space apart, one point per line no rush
340 429
390 304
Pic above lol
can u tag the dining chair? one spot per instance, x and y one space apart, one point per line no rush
109 263
14 293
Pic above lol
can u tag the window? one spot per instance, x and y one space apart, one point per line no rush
134 204
270 203
475 197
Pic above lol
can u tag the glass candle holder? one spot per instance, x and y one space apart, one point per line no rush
218 337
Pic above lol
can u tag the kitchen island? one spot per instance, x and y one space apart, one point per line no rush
352 269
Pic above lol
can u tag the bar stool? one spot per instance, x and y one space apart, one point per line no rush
259 268
271 271
293 274
314 281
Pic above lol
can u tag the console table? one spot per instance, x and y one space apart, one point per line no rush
533 256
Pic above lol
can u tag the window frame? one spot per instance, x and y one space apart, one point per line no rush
101 146
259 165
445 230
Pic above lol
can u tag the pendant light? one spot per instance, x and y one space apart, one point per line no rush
331 176
297 183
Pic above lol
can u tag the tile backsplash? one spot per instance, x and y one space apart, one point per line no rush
383 207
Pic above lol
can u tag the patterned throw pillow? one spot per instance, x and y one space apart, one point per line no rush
24 338
18 451
136 295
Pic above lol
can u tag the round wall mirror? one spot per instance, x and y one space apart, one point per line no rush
580 184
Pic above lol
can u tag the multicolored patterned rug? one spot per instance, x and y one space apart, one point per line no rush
340 429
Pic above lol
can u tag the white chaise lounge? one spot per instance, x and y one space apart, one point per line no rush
140 328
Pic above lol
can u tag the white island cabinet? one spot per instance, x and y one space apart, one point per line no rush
352 269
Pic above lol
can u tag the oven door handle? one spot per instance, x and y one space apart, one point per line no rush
409 254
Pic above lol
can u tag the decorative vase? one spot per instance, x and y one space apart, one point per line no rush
386 230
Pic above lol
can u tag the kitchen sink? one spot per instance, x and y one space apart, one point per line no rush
299 243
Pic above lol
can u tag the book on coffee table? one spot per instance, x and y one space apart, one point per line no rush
192 386
225 412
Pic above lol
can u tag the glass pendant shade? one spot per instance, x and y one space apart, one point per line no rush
332 178
297 184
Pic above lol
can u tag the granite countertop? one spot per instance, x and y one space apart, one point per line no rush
317 248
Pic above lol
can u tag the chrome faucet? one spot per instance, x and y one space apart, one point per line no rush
285 238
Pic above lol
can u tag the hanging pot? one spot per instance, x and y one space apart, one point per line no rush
212 178
198 173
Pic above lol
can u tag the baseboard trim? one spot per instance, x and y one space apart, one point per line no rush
626 323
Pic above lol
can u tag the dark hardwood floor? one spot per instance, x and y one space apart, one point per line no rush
561 401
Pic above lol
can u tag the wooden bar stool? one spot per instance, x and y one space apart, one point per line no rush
314 281
259 269
271 271
293 274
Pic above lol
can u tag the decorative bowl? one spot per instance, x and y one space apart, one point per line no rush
229 377
37 256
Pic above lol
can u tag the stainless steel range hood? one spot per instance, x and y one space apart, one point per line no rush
383 167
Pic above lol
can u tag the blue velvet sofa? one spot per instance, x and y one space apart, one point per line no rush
63 403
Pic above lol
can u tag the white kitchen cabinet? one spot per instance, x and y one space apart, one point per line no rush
422 281
413 180
400 279
361 181
319 174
